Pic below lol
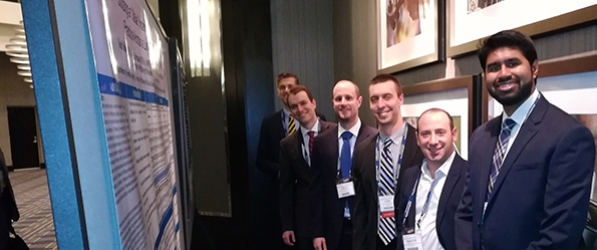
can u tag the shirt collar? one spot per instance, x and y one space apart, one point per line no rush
396 136
285 113
521 112
354 130
443 170
315 128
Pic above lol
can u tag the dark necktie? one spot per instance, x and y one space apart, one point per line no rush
311 136
345 157
499 154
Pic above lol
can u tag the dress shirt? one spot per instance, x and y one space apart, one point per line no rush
305 132
427 230
519 116
285 117
395 148
353 140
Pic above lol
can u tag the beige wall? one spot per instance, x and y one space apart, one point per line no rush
13 92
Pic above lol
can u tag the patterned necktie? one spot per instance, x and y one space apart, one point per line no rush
291 125
499 154
387 226
311 136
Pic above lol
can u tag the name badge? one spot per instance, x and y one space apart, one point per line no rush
386 206
345 189
412 241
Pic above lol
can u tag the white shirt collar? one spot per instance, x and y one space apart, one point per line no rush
285 112
315 128
396 137
443 170
354 130
521 112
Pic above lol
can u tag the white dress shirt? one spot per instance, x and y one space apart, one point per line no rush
395 148
519 116
427 228
305 132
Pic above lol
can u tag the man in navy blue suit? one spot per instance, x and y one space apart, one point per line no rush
431 191
530 168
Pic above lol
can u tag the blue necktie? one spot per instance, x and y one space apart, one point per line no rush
499 154
345 157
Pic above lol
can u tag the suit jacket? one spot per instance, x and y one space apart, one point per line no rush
365 214
268 151
295 178
541 195
8 206
327 209
448 202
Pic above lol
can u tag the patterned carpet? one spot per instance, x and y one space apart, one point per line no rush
36 225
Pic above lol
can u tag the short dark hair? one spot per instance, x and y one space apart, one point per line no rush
507 39
298 88
437 110
384 78
286 75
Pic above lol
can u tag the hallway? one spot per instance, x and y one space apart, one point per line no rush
36 225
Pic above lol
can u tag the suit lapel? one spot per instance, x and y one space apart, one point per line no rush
451 180
525 134
412 213
488 149
410 150
280 128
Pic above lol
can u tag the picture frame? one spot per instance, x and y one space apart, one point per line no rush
569 83
461 97
463 34
401 43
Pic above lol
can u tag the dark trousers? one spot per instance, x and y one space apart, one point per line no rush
303 243
346 236
4 221
390 246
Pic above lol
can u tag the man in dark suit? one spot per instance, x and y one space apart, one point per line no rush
431 191
8 206
531 167
378 165
295 173
331 225
273 129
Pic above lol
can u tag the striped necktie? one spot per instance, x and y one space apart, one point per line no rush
499 154
387 226
291 125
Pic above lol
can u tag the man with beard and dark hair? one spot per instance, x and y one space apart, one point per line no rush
530 168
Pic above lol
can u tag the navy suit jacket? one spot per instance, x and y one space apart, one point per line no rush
366 213
295 178
327 210
448 203
541 196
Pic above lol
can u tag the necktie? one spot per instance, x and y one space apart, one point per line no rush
345 157
291 125
387 226
499 154
311 136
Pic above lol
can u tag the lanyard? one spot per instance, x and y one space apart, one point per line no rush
411 200
378 156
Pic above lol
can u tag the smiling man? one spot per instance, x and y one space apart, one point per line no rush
530 168
295 173
332 186
430 193
378 165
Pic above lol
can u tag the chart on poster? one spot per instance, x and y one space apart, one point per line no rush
134 80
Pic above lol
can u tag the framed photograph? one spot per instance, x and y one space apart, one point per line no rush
569 83
471 20
461 97
410 33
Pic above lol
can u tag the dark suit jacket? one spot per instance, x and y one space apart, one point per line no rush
295 178
268 151
8 206
448 202
541 196
327 210
365 214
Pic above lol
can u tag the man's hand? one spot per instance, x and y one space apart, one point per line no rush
319 244
288 237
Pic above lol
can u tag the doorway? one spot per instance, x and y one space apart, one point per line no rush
23 137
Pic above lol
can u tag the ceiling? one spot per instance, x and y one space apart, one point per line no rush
10 16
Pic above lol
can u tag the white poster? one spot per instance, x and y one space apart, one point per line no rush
132 64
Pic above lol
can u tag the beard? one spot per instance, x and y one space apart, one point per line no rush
524 91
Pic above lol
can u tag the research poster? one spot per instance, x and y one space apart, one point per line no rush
132 63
